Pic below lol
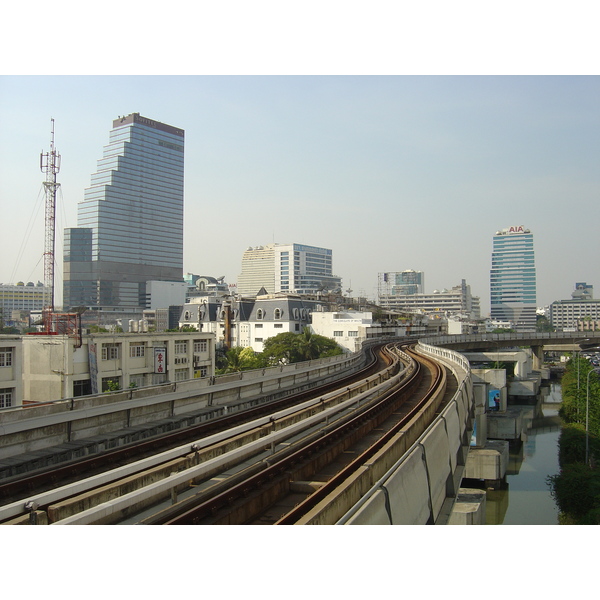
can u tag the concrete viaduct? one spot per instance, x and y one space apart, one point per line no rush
424 486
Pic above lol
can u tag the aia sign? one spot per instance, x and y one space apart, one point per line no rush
516 229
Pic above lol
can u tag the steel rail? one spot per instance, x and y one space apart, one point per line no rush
278 474
11 489
329 489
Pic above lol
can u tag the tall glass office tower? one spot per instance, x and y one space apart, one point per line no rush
130 223
512 278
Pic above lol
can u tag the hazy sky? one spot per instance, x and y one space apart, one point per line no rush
390 172
410 171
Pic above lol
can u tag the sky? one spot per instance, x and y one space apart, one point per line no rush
390 171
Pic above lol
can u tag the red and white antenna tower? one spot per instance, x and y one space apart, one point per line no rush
49 164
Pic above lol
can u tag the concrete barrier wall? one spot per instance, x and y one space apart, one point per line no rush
407 487
421 486
34 428
437 459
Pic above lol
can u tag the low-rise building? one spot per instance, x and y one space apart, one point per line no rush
42 368
248 322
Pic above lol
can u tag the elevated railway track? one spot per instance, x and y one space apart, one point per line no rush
281 463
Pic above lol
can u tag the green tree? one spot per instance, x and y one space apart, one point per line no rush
543 325
576 491
239 359
295 347
577 398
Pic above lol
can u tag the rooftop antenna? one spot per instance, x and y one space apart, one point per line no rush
49 164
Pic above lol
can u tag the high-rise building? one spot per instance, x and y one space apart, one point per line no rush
19 299
130 223
512 278
401 283
291 268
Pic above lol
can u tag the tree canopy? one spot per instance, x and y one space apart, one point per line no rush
285 348
295 347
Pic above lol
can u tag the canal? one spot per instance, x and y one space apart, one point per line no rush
526 498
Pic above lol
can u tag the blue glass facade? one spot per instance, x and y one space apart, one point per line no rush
130 223
513 278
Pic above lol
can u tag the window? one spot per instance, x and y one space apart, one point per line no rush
6 357
278 313
6 397
200 346
278 325
258 326
137 350
181 374
158 378
111 384
353 334
338 334
136 381
82 387
110 352
258 339
181 347
260 313
201 372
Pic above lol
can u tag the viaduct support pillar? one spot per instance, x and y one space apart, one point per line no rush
538 357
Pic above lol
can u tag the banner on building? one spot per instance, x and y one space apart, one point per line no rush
93 360
160 360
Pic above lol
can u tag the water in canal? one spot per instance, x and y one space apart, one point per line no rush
527 499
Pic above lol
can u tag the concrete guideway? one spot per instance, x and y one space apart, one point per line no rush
39 427
423 484
254 441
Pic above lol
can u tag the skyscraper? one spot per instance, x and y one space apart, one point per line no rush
512 278
291 268
130 223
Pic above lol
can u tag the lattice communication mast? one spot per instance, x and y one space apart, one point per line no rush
49 164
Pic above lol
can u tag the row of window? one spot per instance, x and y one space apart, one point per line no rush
138 349
297 313
135 381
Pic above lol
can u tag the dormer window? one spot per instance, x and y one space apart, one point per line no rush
278 313
260 313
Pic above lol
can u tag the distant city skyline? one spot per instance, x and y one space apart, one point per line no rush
390 172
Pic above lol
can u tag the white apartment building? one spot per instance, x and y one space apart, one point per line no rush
287 268
348 329
42 368
249 322
571 314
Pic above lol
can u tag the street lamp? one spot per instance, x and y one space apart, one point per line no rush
587 415
578 343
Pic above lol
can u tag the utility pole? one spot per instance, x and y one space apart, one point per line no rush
49 164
